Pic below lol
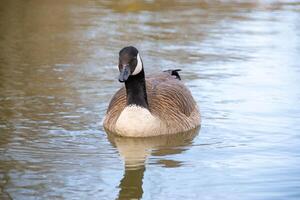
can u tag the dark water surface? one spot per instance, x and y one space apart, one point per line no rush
241 60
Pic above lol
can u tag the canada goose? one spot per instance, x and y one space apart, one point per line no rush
156 105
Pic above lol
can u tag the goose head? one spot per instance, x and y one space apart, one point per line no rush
130 63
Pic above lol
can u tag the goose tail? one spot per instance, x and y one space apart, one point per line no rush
174 72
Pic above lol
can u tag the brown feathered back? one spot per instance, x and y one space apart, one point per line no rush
168 99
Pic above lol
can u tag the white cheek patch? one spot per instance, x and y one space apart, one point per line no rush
139 65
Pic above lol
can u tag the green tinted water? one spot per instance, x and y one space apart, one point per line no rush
58 72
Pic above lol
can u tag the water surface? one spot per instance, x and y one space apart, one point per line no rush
58 72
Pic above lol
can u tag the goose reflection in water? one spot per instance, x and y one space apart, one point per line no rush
135 152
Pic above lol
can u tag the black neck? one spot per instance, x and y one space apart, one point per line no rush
136 90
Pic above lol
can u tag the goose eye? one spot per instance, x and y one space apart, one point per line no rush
133 60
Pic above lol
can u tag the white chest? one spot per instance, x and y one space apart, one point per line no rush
135 121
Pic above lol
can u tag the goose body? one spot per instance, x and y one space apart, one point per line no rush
159 104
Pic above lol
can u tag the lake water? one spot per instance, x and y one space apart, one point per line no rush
58 71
